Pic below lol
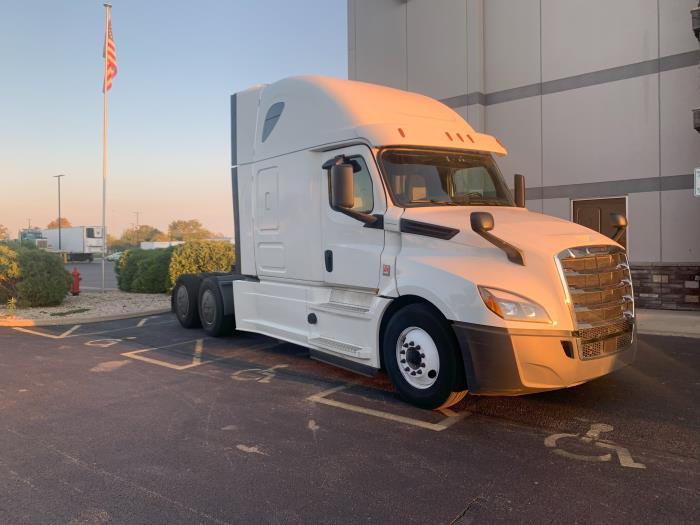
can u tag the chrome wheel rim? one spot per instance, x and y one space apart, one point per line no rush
417 358
208 312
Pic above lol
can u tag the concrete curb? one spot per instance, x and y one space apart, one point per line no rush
670 323
20 323
690 335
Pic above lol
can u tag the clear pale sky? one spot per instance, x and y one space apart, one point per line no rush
169 136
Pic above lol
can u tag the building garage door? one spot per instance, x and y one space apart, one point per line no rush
595 214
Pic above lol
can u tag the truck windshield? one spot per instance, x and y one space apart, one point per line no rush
443 178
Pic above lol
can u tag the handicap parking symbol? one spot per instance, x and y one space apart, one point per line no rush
557 442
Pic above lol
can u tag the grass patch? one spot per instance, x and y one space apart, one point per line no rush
69 312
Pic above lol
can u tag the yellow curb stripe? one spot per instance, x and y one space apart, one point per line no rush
11 323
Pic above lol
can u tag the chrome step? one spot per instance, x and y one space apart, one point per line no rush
340 347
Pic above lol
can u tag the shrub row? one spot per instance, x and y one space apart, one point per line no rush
144 271
155 271
32 277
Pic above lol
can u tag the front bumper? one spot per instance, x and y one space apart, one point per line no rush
498 361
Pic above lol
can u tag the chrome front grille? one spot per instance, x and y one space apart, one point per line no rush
599 285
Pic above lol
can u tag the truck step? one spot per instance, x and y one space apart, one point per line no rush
340 347
350 309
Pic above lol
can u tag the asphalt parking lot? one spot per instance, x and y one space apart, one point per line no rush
141 421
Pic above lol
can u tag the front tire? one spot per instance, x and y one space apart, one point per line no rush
211 310
421 357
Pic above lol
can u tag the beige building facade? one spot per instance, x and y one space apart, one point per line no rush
592 98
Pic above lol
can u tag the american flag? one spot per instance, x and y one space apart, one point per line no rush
110 55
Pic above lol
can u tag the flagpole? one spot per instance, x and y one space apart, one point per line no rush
104 151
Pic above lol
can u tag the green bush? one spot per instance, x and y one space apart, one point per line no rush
152 271
9 273
201 256
155 271
144 271
124 275
44 280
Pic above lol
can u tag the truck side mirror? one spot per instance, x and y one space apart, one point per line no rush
619 222
519 190
342 186
481 221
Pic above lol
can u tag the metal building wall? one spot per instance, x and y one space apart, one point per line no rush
592 98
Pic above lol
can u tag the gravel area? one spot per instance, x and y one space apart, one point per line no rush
93 304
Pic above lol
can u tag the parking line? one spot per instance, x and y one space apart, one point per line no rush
123 328
196 359
136 355
50 336
451 418
198 347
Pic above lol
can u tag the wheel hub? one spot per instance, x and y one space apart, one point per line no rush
182 301
413 357
417 357
208 312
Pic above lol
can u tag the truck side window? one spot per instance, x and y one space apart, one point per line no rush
90 233
364 198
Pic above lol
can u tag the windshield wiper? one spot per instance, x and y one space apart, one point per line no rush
435 201
476 202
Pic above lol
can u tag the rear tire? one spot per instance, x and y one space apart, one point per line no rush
184 300
211 310
421 357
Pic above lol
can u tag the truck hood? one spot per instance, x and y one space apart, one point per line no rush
529 231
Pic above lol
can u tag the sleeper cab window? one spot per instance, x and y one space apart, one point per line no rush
271 117
362 182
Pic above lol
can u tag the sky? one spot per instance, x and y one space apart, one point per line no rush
169 121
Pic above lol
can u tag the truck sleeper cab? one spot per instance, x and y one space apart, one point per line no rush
374 227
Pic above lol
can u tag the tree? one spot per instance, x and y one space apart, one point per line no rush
188 230
4 233
144 232
65 223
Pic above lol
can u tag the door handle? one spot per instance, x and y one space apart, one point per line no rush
328 259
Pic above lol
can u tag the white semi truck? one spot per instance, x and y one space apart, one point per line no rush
374 227
78 243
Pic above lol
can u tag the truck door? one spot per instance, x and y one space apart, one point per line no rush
351 251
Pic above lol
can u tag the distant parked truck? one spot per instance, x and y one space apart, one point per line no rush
79 243
33 237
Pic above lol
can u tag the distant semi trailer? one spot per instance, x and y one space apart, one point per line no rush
78 243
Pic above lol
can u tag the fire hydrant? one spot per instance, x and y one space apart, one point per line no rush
75 287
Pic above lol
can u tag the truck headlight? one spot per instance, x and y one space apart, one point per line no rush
512 306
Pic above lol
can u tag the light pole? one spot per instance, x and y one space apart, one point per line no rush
58 177
137 228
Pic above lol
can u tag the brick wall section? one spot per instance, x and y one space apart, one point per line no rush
666 287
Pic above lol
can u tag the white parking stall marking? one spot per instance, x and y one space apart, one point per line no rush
260 375
451 418
103 343
593 437
196 358
44 334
